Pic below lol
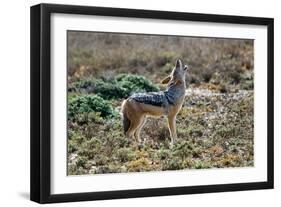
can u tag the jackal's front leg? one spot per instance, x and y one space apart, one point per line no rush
172 129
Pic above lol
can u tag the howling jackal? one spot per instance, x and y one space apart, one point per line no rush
137 107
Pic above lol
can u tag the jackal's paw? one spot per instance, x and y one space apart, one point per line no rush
171 145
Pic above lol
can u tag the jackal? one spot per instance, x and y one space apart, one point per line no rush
138 106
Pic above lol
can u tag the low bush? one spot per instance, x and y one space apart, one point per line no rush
173 164
235 77
183 149
89 103
202 164
135 83
248 85
163 154
121 87
196 130
227 131
106 90
125 154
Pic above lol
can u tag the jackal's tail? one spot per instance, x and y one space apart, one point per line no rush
126 123
126 120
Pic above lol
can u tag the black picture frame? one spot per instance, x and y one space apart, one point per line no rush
41 99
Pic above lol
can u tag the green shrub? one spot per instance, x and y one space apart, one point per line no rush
196 130
72 146
81 161
125 154
135 83
163 154
235 77
228 131
248 85
91 117
173 164
110 90
106 90
121 87
100 159
183 149
90 149
121 140
85 85
202 164
89 103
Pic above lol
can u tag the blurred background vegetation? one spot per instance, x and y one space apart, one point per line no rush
215 125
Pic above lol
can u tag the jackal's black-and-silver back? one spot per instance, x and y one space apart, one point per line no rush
151 98
162 98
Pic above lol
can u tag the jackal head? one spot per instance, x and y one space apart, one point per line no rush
177 75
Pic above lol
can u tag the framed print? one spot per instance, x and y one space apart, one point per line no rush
133 103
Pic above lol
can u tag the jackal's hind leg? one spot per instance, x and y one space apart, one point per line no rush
135 123
138 130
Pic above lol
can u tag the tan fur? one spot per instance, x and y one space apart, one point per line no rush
137 112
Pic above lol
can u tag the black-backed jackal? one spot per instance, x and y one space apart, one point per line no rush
138 106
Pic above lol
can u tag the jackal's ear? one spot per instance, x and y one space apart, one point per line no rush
166 80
